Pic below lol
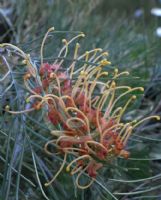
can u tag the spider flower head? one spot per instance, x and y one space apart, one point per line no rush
83 109
92 131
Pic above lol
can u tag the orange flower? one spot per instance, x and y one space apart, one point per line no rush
87 123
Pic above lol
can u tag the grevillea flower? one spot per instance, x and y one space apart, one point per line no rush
83 109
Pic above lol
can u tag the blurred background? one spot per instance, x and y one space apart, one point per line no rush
130 30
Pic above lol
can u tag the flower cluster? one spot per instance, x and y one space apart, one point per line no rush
83 109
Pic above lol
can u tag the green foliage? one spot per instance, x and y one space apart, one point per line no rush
24 167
